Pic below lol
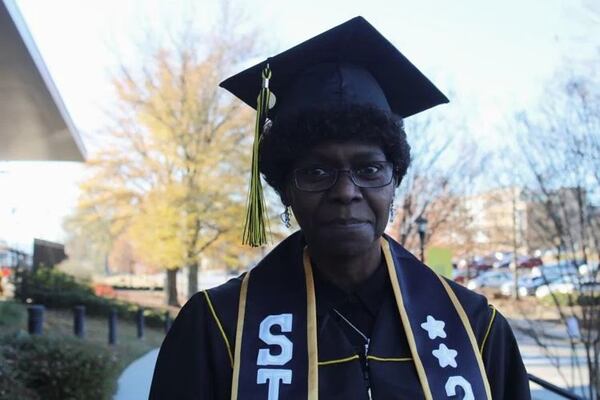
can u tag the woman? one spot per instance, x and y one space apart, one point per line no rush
338 310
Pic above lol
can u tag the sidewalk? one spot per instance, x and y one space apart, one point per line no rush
538 362
134 382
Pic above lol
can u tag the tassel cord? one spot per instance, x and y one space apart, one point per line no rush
255 227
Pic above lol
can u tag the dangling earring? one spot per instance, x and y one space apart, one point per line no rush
285 217
392 211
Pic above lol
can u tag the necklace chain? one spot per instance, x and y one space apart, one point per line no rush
351 325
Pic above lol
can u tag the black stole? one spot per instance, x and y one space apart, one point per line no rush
276 341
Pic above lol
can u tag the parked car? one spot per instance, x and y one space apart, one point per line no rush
530 262
527 286
490 279
569 284
523 262
460 275
589 269
480 265
554 271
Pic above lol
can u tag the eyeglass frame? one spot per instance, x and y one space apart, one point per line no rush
350 174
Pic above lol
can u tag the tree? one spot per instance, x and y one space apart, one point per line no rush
173 177
442 172
87 245
560 151
99 218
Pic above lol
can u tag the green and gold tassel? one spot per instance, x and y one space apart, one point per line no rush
255 228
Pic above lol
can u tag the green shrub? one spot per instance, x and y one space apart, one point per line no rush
45 367
11 314
55 289
10 387
565 299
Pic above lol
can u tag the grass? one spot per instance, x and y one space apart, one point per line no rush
60 323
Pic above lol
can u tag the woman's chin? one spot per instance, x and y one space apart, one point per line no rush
344 242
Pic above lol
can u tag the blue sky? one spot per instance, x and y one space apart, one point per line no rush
493 57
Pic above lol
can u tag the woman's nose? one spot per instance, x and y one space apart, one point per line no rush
344 189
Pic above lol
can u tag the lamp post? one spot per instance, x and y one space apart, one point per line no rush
422 229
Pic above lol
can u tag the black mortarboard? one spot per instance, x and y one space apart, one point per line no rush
351 64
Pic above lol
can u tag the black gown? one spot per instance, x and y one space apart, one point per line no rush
195 360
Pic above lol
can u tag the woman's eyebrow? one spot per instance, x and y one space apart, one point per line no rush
369 154
326 154
319 159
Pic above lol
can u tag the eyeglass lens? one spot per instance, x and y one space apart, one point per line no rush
320 178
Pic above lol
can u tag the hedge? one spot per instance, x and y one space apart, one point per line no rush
11 314
55 289
52 368
565 299
10 386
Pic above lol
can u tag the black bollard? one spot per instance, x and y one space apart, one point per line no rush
139 319
79 321
35 321
167 322
112 327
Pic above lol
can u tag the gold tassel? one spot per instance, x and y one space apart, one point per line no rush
255 228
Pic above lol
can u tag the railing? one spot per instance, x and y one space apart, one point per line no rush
35 322
554 389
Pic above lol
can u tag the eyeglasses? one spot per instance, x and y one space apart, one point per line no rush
369 175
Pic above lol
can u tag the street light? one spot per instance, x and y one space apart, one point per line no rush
422 229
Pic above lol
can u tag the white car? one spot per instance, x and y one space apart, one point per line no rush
569 284
527 286
566 284
490 279
554 271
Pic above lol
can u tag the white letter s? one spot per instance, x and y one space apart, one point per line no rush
265 357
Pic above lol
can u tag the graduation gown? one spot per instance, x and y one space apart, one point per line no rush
196 357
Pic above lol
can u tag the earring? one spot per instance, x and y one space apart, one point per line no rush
285 217
392 211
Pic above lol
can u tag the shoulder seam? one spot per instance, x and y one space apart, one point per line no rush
219 325
489 328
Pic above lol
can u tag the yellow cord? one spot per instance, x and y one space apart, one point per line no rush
255 227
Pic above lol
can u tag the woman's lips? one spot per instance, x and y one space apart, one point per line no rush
345 222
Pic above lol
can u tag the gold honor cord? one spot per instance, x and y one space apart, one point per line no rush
238 337
255 227
311 330
387 254
465 320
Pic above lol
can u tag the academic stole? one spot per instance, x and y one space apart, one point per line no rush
276 338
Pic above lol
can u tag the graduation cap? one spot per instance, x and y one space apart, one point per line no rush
350 64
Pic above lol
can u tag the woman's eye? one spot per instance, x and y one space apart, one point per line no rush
367 170
315 172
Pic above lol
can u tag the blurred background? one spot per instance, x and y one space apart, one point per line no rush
124 169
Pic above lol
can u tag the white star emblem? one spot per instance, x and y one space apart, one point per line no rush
434 327
445 356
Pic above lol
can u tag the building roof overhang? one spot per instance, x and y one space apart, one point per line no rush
34 122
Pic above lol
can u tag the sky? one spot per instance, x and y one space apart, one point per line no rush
492 58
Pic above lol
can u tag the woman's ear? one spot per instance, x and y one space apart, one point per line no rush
286 193
285 196
397 179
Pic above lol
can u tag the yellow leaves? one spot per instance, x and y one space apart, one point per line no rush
155 231
173 177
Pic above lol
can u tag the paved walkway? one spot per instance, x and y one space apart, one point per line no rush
543 364
134 382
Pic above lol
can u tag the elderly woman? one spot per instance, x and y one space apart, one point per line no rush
338 310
